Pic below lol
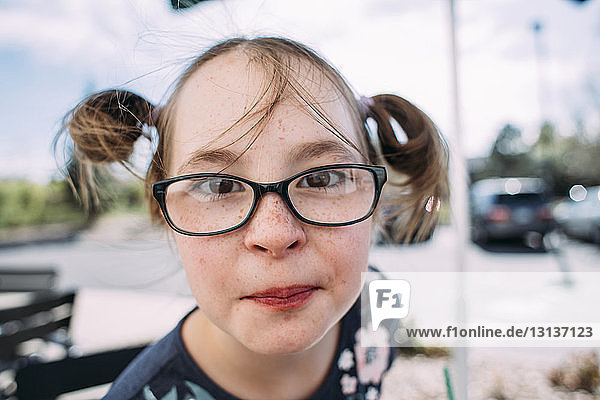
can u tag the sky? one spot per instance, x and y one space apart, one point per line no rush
54 53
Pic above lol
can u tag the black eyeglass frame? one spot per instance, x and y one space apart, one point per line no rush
159 192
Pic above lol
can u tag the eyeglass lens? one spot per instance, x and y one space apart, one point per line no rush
212 204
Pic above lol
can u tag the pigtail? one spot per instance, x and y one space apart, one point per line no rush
103 129
418 178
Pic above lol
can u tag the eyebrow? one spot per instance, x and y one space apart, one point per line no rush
304 151
222 157
317 149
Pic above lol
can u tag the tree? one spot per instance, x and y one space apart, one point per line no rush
509 142
509 155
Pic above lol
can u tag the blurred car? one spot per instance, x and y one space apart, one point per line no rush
581 219
510 208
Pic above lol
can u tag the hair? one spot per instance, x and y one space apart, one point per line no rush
105 125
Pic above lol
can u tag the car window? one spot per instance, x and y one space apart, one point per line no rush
520 199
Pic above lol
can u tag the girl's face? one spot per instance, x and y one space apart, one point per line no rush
274 252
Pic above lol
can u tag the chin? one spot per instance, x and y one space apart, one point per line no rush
284 333
285 341
269 332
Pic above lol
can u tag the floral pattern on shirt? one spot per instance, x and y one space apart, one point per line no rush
346 360
195 393
371 352
349 384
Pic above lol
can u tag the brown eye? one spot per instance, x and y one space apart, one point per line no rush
318 180
323 179
221 185
211 187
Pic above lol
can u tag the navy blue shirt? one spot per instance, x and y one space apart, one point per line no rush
166 370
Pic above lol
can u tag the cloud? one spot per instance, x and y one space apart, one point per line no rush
71 33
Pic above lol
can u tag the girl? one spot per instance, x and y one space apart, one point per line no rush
269 178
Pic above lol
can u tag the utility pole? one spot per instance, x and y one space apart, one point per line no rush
537 32
459 196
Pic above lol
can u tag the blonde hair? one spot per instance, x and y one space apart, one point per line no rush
105 126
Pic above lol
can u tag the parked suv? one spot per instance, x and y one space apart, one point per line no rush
510 208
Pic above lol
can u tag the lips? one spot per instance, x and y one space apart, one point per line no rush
283 298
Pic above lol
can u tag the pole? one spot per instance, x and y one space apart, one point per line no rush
458 178
537 31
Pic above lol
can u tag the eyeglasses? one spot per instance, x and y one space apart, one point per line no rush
210 204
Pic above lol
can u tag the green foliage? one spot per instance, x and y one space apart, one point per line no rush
561 160
508 142
123 196
24 203
21 203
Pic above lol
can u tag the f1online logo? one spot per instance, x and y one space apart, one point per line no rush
389 299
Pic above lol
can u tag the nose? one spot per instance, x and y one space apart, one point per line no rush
273 230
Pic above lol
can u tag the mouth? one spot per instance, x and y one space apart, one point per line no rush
283 298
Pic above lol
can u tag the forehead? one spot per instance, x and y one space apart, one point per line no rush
211 104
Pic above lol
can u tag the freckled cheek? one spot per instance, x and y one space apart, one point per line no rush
348 250
207 264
